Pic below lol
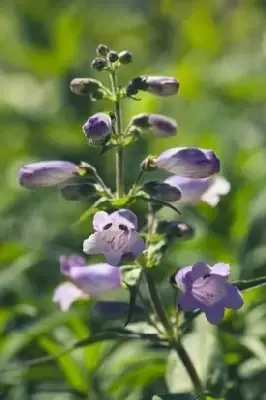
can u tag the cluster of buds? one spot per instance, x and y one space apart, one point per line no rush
116 235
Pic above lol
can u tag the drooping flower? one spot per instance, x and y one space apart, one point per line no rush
86 281
115 236
207 288
98 127
88 87
194 190
158 85
189 162
159 125
46 173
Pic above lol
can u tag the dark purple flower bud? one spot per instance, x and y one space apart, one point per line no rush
98 128
162 191
88 87
109 309
178 229
159 125
99 64
46 173
125 57
207 288
189 162
158 85
77 190
102 50
112 56
115 235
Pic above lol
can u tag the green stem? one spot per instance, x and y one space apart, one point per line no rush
101 183
184 357
119 150
156 303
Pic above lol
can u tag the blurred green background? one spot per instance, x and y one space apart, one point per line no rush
217 49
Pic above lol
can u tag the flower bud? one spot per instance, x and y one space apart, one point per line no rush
176 229
162 191
98 127
158 85
112 56
125 57
159 125
88 87
102 50
148 164
189 162
46 173
77 190
99 64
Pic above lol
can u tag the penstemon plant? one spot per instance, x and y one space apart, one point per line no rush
131 253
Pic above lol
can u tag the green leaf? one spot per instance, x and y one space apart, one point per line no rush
71 370
250 284
101 204
173 396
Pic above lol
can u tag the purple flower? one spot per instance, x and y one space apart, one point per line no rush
159 125
98 127
207 288
160 85
194 190
189 162
115 236
87 281
46 173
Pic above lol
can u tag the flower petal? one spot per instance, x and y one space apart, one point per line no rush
66 293
233 298
191 189
136 244
96 279
209 290
182 278
221 269
199 270
219 187
66 263
100 219
126 217
113 258
188 303
214 314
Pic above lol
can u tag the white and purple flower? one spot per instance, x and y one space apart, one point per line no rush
115 236
206 288
194 190
46 173
159 125
98 127
86 281
189 162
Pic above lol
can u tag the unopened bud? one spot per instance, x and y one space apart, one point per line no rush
88 87
99 64
176 229
162 191
112 56
102 50
125 57
159 125
77 190
97 128
148 164
158 85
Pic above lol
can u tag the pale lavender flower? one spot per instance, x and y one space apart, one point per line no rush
206 288
194 190
46 173
158 124
189 162
86 281
115 236
98 127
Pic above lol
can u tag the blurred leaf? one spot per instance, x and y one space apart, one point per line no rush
72 371
250 284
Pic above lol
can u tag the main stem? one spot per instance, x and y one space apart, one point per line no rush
119 163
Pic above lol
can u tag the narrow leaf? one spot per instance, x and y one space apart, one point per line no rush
133 293
250 284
